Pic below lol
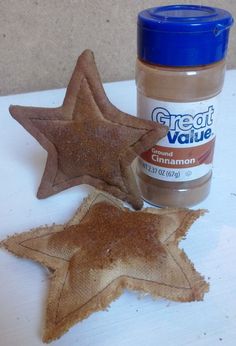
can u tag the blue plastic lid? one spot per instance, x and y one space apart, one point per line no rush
183 35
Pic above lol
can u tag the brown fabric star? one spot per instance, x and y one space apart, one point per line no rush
106 248
88 140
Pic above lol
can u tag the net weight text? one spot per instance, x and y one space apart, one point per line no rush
161 172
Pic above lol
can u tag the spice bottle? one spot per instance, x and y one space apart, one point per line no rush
179 76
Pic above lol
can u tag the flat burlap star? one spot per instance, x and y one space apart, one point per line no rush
88 140
106 248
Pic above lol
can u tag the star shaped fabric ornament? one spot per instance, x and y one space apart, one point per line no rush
88 140
105 249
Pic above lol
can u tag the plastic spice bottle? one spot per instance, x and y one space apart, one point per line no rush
179 76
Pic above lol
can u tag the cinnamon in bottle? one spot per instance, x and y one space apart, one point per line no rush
179 76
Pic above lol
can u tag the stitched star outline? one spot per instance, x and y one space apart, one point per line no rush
92 268
88 140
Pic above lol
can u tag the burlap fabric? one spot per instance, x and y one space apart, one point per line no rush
106 248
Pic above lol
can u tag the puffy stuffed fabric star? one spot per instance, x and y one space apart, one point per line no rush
106 248
88 140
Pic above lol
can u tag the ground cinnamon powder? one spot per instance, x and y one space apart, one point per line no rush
102 248
179 75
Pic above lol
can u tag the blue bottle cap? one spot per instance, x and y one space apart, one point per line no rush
183 35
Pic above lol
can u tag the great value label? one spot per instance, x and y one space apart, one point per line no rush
186 152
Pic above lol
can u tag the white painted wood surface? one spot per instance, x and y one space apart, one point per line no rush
131 320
